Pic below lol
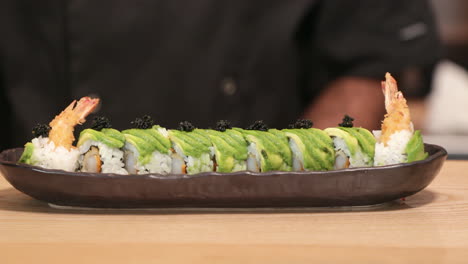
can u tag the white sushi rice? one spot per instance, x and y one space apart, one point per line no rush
239 165
204 163
297 155
112 158
253 158
48 156
394 152
159 162
359 159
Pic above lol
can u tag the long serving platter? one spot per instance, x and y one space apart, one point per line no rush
347 187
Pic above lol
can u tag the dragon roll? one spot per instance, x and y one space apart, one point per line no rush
229 148
52 145
147 148
192 150
101 148
312 148
354 146
397 142
267 150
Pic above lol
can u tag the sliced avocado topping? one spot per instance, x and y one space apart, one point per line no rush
223 151
229 146
144 149
316 148
282 145
27 154
161 135
365 139
151 137
349 140
270 156
324 147
238 142
415 148
111 137
192 144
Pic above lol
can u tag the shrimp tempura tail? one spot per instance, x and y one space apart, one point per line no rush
398 115
63 125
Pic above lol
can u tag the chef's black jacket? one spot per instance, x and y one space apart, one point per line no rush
200 61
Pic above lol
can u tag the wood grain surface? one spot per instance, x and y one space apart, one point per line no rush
429 227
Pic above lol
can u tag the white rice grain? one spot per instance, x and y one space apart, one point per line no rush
394 152
48 156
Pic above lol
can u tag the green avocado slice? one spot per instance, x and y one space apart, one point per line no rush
108 136
190 143
304 145
27 154
282 145
236 140
365 139
147 138
316 147
224 152
144 149
415 148
270 157
157 133
350 141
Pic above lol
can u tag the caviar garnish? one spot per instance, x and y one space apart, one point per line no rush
222 125
347 121
258 125
302 123
186 126
100 122
41 130
143 123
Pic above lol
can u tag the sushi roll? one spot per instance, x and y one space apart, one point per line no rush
229 149
312 149
101 148
267 150
147 148
354 146
192 150
397 142
52 146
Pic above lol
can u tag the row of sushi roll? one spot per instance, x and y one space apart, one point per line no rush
149 148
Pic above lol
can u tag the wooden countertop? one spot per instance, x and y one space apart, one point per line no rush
430 227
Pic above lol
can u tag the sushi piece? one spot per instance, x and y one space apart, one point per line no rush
192 150
101 148
354 146
267 150
147 148
229 149
52 146
397 142
312 149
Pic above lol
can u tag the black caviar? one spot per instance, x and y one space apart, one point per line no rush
347 121
222 125
302 123
143 123
100 122
186 126
258 125
41 130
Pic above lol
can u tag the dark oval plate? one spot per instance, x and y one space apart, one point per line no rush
348 187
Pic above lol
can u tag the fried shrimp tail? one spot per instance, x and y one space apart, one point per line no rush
398 116
63 125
